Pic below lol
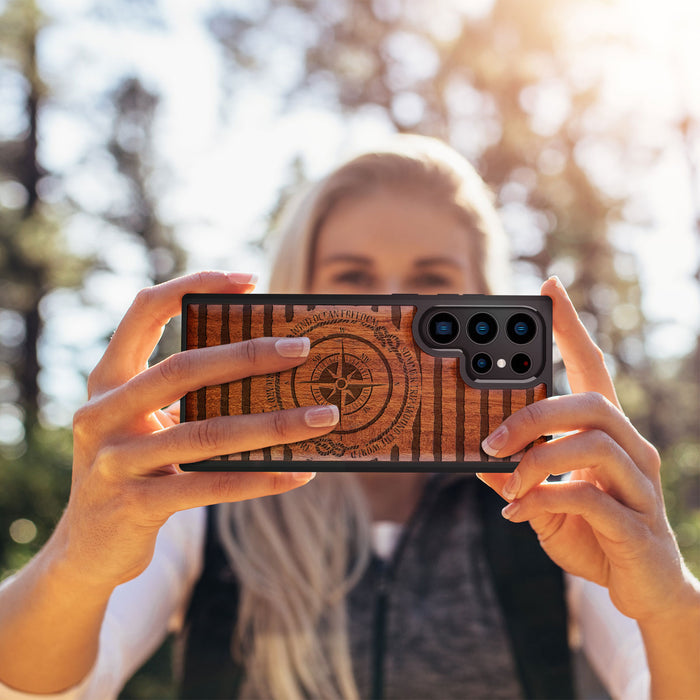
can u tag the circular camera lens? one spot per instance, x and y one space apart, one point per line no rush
481 363
521 363
521 328
443 328
482 328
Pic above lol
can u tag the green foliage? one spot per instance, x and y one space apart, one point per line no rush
677 421
34 486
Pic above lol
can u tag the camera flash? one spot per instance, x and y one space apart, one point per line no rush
501 363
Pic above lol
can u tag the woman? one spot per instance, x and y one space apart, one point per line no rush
289 569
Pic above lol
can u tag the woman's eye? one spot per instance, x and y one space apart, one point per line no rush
432 280
357 278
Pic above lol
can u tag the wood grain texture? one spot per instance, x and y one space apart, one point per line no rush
396 402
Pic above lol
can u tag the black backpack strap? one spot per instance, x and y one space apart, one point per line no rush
205 666
530 590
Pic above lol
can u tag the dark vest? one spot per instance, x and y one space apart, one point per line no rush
528 586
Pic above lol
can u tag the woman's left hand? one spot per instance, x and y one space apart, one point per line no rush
607 523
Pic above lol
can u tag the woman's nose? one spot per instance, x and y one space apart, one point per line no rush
391 285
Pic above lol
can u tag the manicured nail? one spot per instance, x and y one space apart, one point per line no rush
293 347
558 283
512 486
303 476
479 476
322 416
510 510
243 277
495 441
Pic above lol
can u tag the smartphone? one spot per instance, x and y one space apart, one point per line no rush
419 380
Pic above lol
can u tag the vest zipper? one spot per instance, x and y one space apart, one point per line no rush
379 632
386 570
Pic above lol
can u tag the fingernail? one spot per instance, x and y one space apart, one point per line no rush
510 510
479 476
243 277
293 347
557 282
512 486
303 476
495 441
322 416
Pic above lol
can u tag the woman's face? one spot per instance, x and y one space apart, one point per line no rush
388 243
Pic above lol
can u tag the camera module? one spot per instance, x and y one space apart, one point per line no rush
521 328
443 328
521 363
482 328
481 363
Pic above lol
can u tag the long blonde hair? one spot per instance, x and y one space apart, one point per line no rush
297 554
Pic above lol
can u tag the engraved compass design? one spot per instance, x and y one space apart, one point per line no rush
342 376
367 367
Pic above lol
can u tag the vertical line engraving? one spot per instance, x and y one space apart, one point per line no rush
415 440
506 403
201 342
437 410
459 437
245 384
396 316
267 320
484 423
267 332
225 340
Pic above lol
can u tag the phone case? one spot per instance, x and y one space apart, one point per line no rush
404 406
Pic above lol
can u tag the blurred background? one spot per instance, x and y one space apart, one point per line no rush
140 139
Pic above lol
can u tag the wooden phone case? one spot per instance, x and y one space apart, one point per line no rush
401 408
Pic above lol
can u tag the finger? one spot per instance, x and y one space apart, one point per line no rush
592 450
495 480
189 370
213 437
563 414
601 511
140 330
583 359
175 492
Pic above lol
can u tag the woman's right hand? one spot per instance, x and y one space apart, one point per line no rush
126 480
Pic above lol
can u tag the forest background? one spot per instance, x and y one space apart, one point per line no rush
143 139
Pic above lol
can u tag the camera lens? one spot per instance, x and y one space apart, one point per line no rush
521 328
482 328
481 363
443 328
521 363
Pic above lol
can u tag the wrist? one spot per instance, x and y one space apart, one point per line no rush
672 643
683 609
65 565
70 579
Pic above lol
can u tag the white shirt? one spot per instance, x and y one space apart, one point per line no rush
142 611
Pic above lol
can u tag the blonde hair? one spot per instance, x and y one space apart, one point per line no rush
297 554
291 555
